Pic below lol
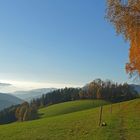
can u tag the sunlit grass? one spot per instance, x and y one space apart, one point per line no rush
80 125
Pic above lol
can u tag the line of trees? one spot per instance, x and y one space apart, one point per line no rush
57 96
8 115
23 112
97 89
108 90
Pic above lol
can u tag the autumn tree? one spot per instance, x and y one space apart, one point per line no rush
125 16
26 112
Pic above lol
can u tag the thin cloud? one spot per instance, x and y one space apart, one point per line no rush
5 84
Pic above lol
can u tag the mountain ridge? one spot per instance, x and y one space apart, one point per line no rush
7 100
32 94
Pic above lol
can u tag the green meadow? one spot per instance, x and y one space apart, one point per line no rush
78 120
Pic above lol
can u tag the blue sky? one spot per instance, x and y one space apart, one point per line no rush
58 43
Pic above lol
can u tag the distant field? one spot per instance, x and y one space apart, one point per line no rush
78 120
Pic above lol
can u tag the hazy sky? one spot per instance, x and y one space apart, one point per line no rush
57 43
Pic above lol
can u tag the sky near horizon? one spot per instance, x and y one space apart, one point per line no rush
58 43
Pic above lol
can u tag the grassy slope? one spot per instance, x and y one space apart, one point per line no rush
122 124
69 107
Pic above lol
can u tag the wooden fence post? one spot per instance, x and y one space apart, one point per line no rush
100 117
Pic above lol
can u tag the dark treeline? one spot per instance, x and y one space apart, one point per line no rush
23 112
57 96
8 115
98 89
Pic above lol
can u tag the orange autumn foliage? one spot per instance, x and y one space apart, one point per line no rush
125 16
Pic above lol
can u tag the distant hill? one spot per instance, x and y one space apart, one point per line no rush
136 87
32 94
6 100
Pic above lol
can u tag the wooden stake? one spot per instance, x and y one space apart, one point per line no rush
100 118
